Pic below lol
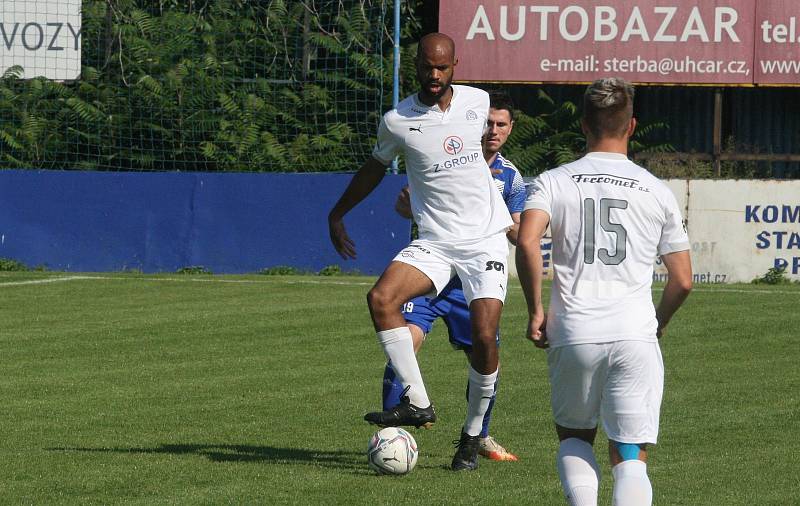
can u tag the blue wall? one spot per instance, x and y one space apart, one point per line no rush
160 222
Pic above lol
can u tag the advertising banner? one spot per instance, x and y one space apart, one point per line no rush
777 55
741 229
725 42
738 229
41 36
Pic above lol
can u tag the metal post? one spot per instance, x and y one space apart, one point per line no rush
396 70
717 138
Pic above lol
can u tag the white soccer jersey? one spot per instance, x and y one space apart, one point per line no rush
609 220
453 197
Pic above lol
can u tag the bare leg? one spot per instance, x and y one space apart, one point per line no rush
615 458
485 318
418 335
399 283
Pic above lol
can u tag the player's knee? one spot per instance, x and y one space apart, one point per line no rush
586 435
486 338
378 298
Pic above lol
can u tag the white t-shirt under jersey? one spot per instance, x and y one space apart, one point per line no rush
453 196
609 219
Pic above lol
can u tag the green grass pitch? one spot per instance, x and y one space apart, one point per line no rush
134 389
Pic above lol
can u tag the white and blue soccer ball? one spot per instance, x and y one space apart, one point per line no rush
392 450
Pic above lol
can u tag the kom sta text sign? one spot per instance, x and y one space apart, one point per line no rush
732 42
41 36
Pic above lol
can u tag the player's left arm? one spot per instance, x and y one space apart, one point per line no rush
530 269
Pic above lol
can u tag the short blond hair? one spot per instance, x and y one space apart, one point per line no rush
608 107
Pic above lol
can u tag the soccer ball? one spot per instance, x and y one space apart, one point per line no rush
392 451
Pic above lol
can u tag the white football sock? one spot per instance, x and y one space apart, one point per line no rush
398 346
577 468
481 390
631 485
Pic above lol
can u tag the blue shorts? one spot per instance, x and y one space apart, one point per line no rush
451 306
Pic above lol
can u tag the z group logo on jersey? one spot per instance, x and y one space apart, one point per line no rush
453 145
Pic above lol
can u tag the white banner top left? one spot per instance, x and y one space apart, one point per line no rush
41 36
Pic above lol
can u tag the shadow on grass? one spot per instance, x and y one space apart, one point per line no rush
339 459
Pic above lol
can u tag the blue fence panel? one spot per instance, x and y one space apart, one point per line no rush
160 222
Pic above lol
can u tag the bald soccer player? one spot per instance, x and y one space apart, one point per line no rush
462 223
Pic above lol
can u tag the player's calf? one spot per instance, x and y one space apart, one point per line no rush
632 486
578 471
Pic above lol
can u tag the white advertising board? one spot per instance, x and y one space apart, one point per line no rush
41 36
739 229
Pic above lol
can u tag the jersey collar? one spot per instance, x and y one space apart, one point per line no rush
435 107
497 163
604 155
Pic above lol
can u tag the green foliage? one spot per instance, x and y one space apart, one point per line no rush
282 270
285 270
743 169
773 276
330 270
193 269
550 135
668 168
234 85
545 138
335 270
229 85
11 265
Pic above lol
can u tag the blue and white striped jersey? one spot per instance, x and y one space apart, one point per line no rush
510 184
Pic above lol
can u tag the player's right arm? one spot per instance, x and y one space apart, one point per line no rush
365 180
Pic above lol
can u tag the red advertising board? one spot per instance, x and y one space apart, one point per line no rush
777 55
726 42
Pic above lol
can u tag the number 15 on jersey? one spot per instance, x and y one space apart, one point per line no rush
590 250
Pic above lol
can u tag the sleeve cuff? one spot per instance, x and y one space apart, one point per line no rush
537 205
673 247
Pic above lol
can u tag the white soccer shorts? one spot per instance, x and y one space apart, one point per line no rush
621 382
481 264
